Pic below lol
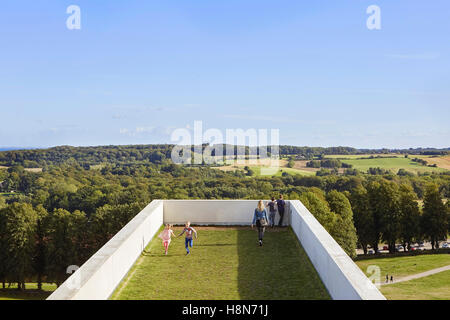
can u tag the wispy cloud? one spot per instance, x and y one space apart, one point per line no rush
142 131
415 56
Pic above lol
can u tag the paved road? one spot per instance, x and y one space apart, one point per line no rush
419 275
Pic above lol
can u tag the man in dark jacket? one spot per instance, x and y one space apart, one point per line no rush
280 205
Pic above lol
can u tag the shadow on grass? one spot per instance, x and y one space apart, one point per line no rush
29 294
280 269
216 245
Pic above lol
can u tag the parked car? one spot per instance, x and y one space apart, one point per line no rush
399 248
385 248
370 251
413 249
445 245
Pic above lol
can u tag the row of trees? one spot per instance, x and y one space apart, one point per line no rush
386 211
36 245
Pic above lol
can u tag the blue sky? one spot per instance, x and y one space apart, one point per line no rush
139 69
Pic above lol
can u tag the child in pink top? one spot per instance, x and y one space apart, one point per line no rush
165 236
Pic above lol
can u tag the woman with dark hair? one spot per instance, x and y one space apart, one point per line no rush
260 218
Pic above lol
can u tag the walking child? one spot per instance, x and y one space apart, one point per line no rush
165 236
188 241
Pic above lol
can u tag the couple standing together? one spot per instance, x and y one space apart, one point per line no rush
260 215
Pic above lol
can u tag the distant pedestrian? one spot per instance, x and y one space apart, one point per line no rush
272 210
280 205
387 278
392 279
260 218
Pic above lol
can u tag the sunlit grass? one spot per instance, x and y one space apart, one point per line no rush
225 263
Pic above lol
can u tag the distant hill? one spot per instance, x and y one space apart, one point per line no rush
14 148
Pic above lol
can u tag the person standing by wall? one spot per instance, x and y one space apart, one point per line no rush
272 209
260 218
281 205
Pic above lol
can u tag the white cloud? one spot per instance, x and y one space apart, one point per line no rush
415 56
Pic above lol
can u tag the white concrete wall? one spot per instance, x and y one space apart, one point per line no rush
100 275
340 275
214 212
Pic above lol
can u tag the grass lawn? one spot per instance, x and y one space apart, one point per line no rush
226 263
404 266
434 287
30 293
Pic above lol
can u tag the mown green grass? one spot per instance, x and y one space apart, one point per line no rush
31 292
405 266
225 263
434 287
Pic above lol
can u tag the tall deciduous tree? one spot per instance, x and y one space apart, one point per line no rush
372 193
409 217
363 217
4 248
65 229
434 218
343 231
21 224
40 250
389 211
319 208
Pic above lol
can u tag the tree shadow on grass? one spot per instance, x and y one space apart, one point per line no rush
279 270
216 245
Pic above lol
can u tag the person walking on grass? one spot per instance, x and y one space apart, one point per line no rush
272 209
165 236
280 205
188 241
260 218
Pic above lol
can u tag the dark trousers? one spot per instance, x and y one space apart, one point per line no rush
281 212
260 230
188 243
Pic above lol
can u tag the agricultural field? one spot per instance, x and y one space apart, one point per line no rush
362 162
222 265
299 167
394 162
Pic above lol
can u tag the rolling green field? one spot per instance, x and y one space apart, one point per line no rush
30 293
357 156
225 263
291 171
393 164
404 266
434 287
